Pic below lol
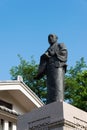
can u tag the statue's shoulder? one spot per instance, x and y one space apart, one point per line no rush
61 45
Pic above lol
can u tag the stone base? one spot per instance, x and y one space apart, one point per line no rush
54 116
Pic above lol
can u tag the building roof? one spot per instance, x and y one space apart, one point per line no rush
22 93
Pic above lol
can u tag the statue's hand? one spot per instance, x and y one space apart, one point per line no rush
47 54
51 52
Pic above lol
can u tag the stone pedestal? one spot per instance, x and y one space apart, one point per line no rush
54 116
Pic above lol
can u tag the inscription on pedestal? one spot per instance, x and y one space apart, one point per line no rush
41 124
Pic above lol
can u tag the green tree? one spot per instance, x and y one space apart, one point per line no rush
76 85
28 70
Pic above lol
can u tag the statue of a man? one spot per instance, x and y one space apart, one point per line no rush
53 65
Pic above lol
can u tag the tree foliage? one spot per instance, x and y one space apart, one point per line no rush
75 81
76 85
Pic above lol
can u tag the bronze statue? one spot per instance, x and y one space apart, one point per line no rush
53 65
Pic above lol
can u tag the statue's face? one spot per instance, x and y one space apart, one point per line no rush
52 39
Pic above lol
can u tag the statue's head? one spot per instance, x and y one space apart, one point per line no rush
52 38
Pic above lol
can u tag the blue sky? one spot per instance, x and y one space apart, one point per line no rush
25 25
